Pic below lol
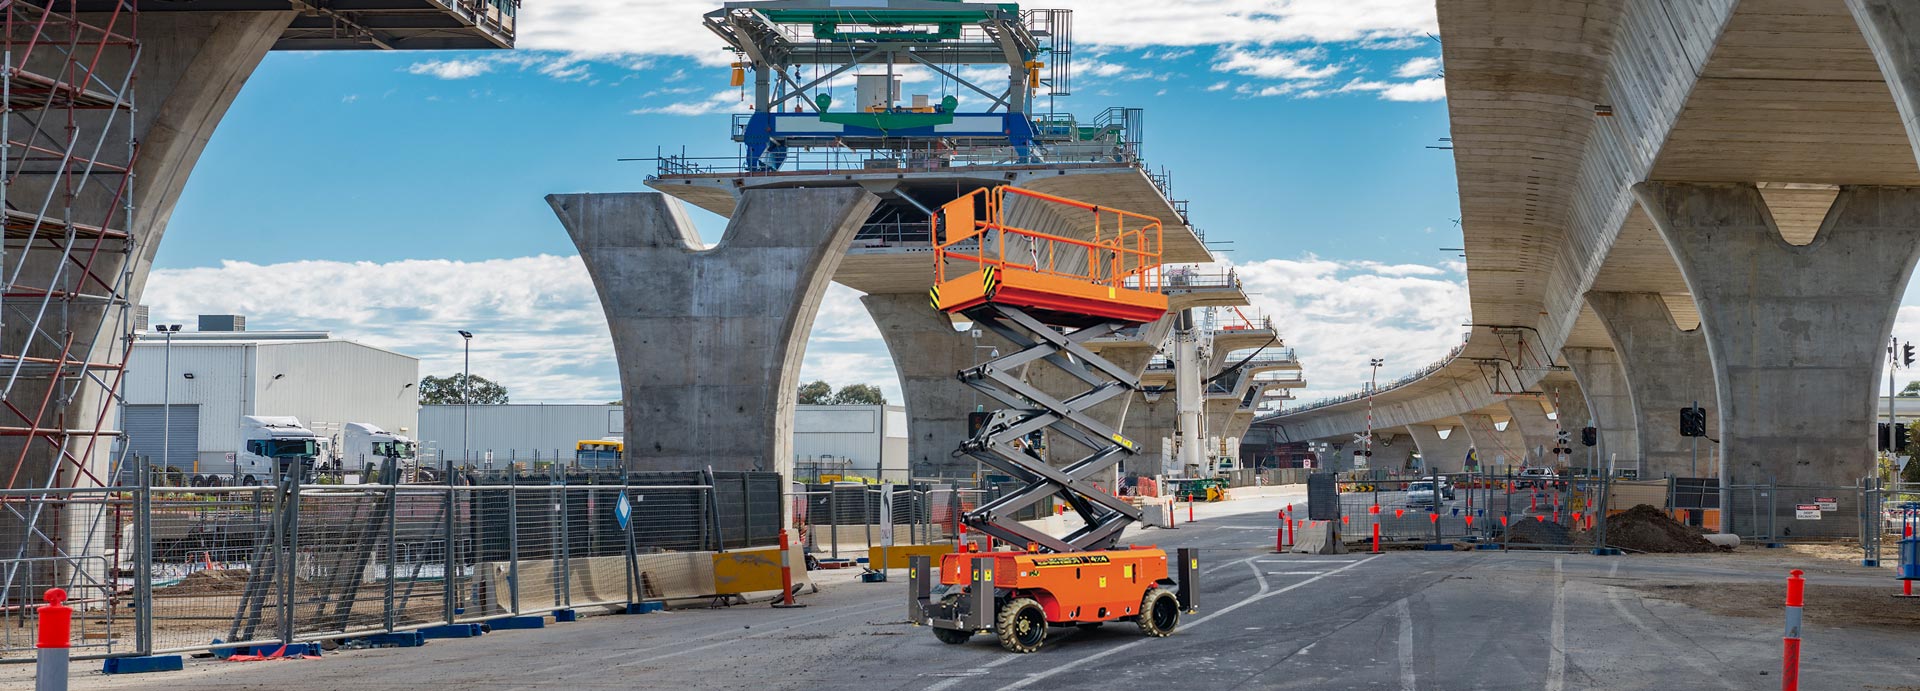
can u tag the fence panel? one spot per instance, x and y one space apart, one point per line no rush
217 567
1769 513
77 541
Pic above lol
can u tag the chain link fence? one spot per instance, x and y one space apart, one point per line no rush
156 570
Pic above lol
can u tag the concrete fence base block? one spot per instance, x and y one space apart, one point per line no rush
452 631
397 639
565 615
505 623
1319 539
142 665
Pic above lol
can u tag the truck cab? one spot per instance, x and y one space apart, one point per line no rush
271 445
364 446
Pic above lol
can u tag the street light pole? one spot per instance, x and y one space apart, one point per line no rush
1372 384
166 397
466 397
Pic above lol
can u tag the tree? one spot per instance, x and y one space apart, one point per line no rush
447 391
1911 474
817 393
1912 390
859 394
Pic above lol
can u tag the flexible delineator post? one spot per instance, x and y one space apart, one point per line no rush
1790 655
1376 527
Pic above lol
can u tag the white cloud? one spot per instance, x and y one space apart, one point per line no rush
1418 67
716 101
1338 314
451 69
673 27
540 329
1275 64
1218 86
538 323
1429 89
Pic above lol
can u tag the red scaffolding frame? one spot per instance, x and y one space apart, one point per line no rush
67 157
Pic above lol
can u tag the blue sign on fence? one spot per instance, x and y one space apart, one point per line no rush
623 510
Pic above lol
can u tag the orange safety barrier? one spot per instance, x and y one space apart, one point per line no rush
1118 278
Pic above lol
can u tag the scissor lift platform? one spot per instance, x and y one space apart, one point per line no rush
1048 294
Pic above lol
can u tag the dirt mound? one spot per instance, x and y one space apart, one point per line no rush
1537 532
209 582
1646 529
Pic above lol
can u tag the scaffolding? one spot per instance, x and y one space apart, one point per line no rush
67 154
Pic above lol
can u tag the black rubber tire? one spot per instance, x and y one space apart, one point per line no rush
951 636
1159 613
1022 625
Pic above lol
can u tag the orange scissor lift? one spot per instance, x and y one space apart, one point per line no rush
1048 294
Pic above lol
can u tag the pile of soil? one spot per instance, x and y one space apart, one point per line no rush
1537 532
1644 528
209 582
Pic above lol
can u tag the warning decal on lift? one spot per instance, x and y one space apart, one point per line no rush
1080 560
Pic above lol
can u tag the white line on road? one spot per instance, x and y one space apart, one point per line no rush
1557 658
974 672
1295 573
1262 594
1405 615
1306 561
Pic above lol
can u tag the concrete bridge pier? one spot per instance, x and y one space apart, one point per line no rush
927 353
709 339
1797 335
191 67
1667 368
1536 431
1494 447
1439 455
1604 391
1393 452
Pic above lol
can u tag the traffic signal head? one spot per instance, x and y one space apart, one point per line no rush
1590 436
1693 422
1906 354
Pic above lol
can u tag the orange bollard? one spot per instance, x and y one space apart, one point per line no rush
1376 528
786 573
55 630
1790 655
1280 533
1189 510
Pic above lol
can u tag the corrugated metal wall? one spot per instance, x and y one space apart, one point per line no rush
218 387
145 431
330 383
517 429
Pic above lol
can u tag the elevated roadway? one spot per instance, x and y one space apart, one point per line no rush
1674 201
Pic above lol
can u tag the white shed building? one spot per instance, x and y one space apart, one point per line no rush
215 377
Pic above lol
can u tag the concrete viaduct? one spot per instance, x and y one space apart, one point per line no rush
1667 201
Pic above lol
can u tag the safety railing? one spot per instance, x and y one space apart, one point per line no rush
906 156
1410 378
1121 246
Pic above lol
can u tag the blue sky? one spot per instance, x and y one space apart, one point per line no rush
395 197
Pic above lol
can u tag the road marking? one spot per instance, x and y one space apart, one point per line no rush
1247 527
974 672
1557 658
1613 570
1405 615
736 639
1295 573
1256 597
1613 598
1306 561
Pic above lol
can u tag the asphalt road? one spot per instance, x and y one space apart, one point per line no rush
1402 620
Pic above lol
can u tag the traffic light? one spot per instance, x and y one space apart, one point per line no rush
1897 443
1693 422
1589 436
1884 440
1906 354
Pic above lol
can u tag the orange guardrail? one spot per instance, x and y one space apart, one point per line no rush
1123 251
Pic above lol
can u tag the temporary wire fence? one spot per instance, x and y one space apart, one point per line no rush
177 570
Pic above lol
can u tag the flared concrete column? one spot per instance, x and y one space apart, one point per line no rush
191 66
1536 431
1153 425
709 341
1667 368
927 354
1796 334
1438 455
1495 448
1603 387
1393 451
1892 30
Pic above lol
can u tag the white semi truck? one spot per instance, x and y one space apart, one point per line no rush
268 443
364 445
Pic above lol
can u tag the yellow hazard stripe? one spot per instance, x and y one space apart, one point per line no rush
933 297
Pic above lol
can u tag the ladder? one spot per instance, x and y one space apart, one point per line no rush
999 442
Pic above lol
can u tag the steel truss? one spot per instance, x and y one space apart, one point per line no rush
67 154
999 442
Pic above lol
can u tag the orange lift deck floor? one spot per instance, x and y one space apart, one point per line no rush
1071 282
